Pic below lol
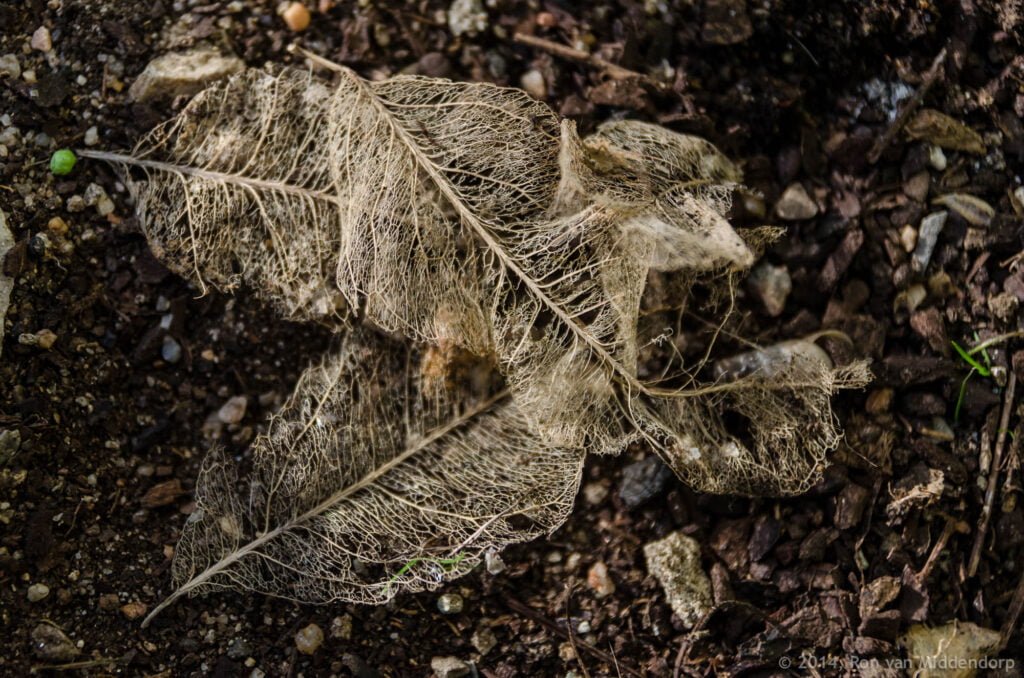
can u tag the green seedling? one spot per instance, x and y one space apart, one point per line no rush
447 564
985 370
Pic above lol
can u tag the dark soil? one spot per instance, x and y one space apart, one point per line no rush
103 419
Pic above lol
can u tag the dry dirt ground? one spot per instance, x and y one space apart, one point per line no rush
93 416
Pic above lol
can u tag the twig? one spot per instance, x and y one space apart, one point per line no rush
1013 615
940 544
993 477
1010 485
524 609
908 107
572 54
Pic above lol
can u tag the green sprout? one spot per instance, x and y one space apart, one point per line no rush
985 370
62 162
447 564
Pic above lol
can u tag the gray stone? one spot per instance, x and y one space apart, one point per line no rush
675 562
771 285
184 73
171 350
643 480
449 667
795 204
927 236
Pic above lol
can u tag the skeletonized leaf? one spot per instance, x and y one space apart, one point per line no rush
371 481
469 214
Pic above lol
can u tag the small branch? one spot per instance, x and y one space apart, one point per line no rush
908 107
572 54
1013 615
993 477
940 544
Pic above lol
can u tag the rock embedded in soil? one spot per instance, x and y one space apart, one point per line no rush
296 17
949 651
449 667
599 581
533 82
450 603
309 638
675 562
37 592
795 204
41 39
643 480
182 74
10 66
771 285
927 236
233 411
52 645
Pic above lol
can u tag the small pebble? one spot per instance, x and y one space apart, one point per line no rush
599 581
449 667
908 238
584 627
52 645
927 236
450 603
92 136
795 204
309 639
493 563
233 411
484 640
771 285
41 39
37 592
133 610
936 158
533 82
109 602
296 16
9 66
171 350
57 226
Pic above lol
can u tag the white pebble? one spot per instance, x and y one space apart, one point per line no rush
233 410
936 158
92 136
37 592
41 39
533 82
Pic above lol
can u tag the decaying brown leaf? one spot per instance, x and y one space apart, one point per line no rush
940 129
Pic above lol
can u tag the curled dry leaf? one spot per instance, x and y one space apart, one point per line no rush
466 215
371 481
470 214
